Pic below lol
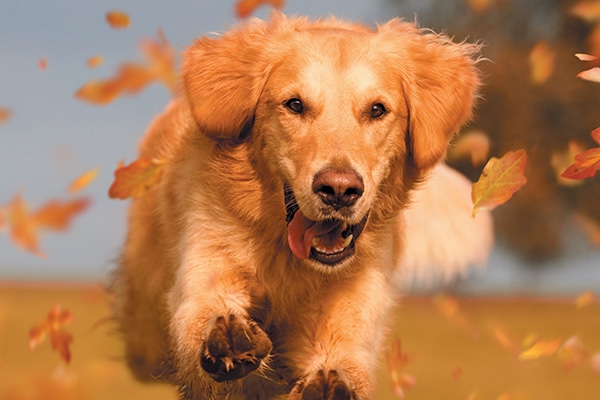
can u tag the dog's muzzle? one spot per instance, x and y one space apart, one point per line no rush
330 241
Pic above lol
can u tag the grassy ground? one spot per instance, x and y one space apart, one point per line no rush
464 349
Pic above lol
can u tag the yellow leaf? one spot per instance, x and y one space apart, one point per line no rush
83 180
500 179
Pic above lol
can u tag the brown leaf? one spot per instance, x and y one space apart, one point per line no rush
244 8
500 179
136 178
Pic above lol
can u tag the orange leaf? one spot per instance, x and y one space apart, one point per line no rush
117 19
95 61
57 215
5 114
83 180
136 178
244 8
52 326
500 179
586 10
584 299
561 160
480 5
541 62
131 78
587 163
23 230
42 64
474 144
539 349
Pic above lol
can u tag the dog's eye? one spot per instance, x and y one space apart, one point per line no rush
377 110
295 106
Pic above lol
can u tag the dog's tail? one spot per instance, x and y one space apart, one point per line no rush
441 240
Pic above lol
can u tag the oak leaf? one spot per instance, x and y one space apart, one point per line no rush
131 77
243 8
136 178
500 179
587 163
24 226
52 326
118 19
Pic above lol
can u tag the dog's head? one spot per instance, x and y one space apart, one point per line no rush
345 117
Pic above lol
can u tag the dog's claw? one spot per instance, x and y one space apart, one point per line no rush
234 348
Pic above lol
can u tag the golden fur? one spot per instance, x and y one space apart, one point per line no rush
208 288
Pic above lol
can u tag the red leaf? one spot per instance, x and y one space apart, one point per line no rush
500 179
136 178
587 163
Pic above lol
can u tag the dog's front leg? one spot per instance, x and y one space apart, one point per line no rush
213 339
336 354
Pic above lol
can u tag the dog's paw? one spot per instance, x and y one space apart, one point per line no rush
233 348
323 385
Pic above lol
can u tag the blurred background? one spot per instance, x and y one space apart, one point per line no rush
524 327
547 234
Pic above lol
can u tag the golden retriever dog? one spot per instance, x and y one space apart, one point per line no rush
266 261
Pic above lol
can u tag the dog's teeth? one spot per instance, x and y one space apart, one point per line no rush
346 242
316 241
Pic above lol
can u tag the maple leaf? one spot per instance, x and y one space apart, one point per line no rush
118 19
132 78
136 178
83 180
473 144
539 349
587 163
500 179
95 61
52 326
5 114
25 226
396 362
243 8
541 62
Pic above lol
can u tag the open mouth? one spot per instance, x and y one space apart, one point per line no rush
329 241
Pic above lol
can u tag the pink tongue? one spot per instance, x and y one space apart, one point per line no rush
302 230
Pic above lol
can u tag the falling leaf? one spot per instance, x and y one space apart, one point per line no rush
584 299
42 64
541 62
5 114
561 160
117 19
592 75
83 180
244 8
504 339
540 349
25 226
586 10
52 326
95 61
500 179
572 352
473 144
587 163
585 57
396 363
457 373
132 78
136 178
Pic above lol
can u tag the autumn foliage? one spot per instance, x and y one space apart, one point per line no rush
136 178
53 326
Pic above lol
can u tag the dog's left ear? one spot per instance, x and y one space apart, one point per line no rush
223 78
440 83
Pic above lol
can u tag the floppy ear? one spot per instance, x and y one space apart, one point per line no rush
440 83
223 78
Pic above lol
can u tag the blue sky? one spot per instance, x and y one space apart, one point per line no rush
52 137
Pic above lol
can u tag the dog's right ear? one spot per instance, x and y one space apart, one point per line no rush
223 78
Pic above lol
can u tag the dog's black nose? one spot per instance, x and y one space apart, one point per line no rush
338 188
